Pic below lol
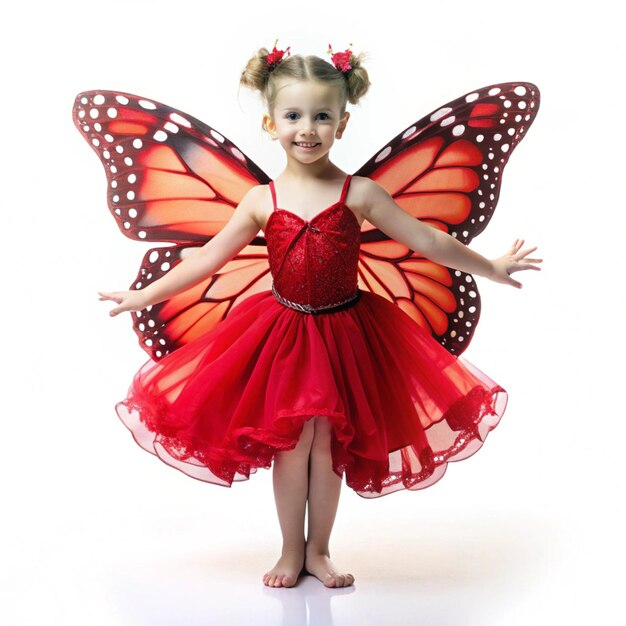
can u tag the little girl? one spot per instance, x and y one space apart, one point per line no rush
317 376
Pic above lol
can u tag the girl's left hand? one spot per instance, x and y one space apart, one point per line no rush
513 261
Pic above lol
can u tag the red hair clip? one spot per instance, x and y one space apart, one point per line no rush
341 60
276 56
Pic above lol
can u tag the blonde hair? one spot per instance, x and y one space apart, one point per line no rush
258 75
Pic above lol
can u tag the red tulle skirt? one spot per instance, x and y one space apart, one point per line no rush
400 405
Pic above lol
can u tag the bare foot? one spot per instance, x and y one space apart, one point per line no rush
322 567
287 569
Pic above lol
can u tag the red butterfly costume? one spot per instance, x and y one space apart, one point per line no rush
319 317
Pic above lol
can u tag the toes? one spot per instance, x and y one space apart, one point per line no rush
279 580
339 580
335 580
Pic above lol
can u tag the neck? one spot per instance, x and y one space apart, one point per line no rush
322 168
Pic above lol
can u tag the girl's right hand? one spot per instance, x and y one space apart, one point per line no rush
127 300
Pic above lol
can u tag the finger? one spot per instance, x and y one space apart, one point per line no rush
522 265
523 253
518 267
515 248
111 296
521 268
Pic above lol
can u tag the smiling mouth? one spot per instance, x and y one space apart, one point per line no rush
305 144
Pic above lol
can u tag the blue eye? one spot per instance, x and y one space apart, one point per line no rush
293 116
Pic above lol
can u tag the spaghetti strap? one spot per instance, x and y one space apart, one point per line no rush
342 198
344 191
273 190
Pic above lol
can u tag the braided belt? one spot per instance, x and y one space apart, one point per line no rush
307 308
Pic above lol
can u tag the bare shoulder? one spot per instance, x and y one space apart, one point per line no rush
253 203
255 194
366 184
362 192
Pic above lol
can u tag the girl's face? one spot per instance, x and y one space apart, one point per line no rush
306 119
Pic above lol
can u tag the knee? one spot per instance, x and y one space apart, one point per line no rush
306 436
301 451
321 435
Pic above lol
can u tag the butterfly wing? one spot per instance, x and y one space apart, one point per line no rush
172 178
446 170
166 326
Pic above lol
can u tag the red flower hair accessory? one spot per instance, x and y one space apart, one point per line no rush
276 56
341 60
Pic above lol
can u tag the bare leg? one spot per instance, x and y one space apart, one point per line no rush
324 489
291 485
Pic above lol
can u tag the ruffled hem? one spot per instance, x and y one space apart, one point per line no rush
249 449
222 407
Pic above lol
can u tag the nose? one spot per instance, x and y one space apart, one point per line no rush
308 128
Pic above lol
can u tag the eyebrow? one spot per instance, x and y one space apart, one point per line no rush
297 109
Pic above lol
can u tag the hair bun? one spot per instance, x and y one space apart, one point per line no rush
262 74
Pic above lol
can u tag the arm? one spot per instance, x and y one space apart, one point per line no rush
381 210
237 233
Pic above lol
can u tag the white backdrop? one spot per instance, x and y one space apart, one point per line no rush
96 531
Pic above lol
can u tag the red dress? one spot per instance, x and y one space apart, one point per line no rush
401 406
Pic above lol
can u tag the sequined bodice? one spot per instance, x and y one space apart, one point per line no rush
314 262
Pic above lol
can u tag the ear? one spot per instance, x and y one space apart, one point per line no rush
342 125
269 126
